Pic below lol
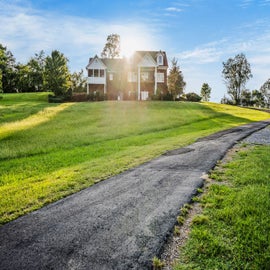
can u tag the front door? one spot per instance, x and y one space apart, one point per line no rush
144 95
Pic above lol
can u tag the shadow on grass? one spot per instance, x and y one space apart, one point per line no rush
87 142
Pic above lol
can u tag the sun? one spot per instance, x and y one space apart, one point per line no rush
130 44
128 47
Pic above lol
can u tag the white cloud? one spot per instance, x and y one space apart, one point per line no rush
265 3
204 62
28 31
200 55
246 3
173 9
182 3
206 53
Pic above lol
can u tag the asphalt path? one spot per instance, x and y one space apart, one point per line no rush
119 223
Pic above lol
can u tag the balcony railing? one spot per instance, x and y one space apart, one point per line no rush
96 80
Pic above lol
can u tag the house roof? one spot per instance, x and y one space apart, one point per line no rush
94 62
138 55
117 64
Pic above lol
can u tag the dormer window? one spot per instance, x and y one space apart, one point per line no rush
160 60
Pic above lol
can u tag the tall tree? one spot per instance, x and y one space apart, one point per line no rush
258 98
112 47
236 72
22 81
8 70
56 74
246 98
265 90
1 72
176 83
1 84
36 70
205 92
78 82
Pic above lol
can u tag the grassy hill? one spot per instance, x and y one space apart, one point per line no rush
51 150
233 229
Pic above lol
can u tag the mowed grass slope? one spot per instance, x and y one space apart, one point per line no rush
233 232
51 150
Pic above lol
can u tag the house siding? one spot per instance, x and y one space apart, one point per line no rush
118 78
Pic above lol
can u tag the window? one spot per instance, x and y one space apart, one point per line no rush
102 73
111 76
96 73
160 77
160 60
145 76
90 72
132 77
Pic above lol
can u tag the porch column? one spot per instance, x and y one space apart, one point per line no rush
87 91
105 81
139 83
155 90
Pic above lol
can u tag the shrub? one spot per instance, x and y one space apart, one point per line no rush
97 96
193 97
167 97
79 97
60 98
55 99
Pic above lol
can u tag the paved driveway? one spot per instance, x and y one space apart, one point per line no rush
120 223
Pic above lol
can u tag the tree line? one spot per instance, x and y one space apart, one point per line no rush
51 73
236 72
41 73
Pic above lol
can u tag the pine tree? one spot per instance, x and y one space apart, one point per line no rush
176 83
205 92
56 74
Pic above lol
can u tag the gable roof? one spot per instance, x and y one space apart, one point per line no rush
138 58
113 64
140 54
96 62
147 61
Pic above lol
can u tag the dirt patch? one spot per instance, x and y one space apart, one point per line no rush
172 248
175 242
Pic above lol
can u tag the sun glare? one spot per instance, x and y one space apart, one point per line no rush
130 44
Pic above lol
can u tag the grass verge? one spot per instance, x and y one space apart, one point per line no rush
233 232
49 151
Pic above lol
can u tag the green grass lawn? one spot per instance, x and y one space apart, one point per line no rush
233 231
51 150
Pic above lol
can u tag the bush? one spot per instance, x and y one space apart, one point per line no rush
227 101
79 97
155 97
167 97
193 97
97 96
56 99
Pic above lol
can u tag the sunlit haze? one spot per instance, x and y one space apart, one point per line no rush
201 34
130 44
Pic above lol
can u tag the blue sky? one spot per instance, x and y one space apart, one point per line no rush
201 34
